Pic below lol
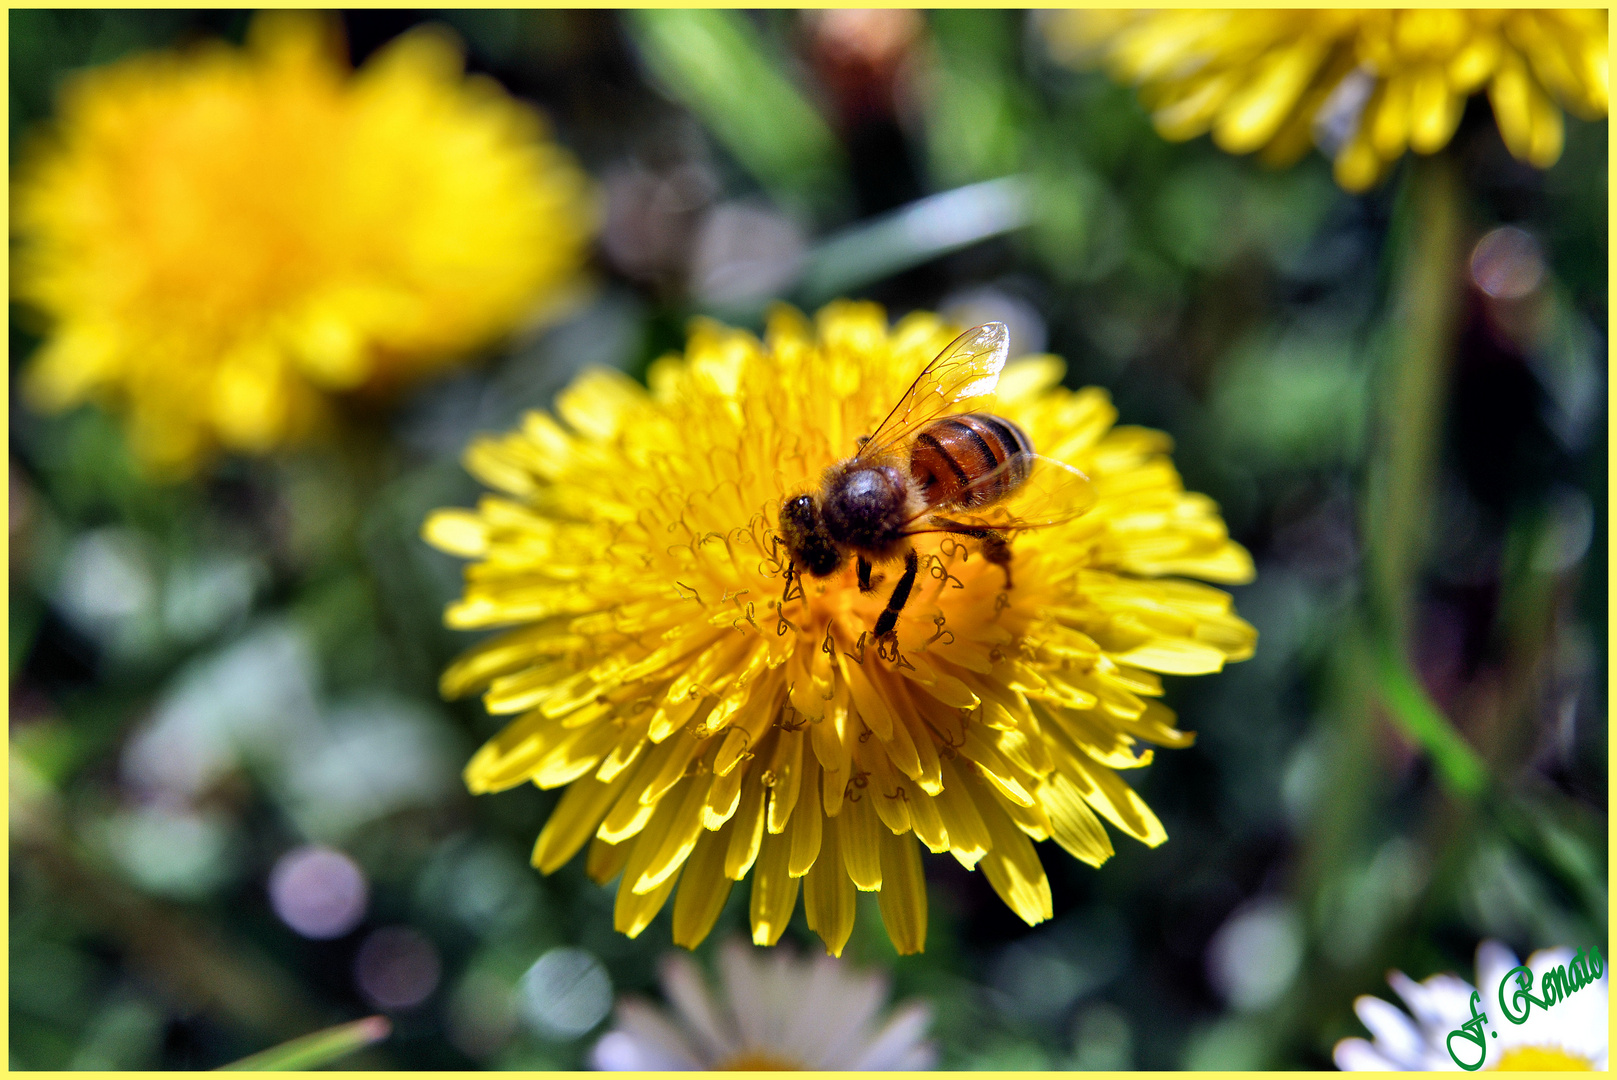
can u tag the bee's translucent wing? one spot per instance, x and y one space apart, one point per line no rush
1053 493
968 368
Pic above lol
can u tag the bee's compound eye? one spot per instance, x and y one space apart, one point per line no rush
799 513
804 532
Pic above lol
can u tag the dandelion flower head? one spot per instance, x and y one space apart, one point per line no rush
222 238
1367 85
706 730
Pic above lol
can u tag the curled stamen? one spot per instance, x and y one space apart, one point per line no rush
792 577
858 654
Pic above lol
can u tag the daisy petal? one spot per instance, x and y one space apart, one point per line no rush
896 1039
1396 1037
1357 1055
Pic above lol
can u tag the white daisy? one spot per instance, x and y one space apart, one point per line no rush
774 1012
1571 1034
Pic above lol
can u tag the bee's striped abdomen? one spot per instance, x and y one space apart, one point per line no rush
955 460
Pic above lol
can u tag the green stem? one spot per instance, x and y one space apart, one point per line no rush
1370 665
1409 400
1370 675
1428 244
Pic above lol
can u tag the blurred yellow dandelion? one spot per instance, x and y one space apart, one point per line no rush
707 730
1366 84
221 238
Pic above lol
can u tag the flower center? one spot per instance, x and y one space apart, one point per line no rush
946 586
753 1060
1542 1058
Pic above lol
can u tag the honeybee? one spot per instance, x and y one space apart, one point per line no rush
932 467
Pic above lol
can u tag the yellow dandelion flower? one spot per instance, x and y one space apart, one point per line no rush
1369 84
223 238
706 730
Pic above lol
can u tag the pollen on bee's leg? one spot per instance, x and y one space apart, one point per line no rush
998 552
887 648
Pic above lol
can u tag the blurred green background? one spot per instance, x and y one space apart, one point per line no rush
208 678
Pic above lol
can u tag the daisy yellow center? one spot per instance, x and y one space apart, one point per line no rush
1542 1059
757 1061
712 723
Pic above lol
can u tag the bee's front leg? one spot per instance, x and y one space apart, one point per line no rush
864 575
900 597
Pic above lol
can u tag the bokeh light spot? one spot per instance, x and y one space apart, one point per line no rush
564 994
1507 263
1256 954
397 968
318 891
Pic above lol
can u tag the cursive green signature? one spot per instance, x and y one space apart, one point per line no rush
1557 985
1471 1031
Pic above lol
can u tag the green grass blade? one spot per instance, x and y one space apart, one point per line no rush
912 235
718 65
1458 766
320 1048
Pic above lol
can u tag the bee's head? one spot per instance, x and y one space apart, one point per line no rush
812 549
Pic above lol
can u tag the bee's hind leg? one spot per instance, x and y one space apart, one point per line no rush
996 549
900 597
